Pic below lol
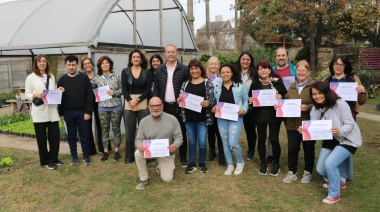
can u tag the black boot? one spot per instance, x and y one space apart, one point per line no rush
212 155
221 160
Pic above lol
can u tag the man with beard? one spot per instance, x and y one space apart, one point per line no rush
157 125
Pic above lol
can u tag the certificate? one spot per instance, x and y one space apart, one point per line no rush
101 93
317 130
215 80
288 81
191 102
288 108
262 98
346 90
227 111
156 148
53 97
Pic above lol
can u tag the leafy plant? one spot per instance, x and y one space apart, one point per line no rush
6 161
369 79
10 119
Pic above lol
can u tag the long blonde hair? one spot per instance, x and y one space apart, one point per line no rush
208 62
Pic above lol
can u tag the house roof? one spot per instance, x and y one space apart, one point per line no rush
216 25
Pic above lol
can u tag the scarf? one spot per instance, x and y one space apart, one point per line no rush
304 83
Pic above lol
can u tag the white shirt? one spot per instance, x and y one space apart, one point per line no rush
169 91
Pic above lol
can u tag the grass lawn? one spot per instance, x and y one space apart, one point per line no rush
370 106
110 186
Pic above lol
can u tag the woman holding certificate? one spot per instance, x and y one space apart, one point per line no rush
268 87
328 106
136 84
300 90
231 92
110 110
196 121
213 68
44 116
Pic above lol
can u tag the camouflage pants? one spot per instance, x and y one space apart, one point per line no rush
114 117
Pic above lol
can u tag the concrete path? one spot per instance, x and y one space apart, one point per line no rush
369 116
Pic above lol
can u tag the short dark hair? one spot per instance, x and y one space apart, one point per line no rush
264 64
71 58
35 67
330 96
252 68
99 64
347 63
144 61
151 59
198 64
87 58
236 76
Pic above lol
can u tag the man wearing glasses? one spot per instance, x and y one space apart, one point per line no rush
157 125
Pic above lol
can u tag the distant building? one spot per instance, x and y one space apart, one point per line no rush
222 35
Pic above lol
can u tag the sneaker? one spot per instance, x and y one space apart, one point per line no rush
221 160
331 200
229 170
190 168
290 177
51 166
249 155
59 163
105 157
306 178
142 184
263 169
117 156
269 159
184 163
74 161
86 160
239 168
342 185
212 155
275 170
203 167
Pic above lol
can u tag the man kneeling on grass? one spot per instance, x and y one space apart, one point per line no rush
158 125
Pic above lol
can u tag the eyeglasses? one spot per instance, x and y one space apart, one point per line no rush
155 105
340 65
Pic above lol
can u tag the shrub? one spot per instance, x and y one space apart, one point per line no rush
6 161
369 79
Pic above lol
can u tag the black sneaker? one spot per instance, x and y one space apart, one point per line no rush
59 163
184 163
190 168
221 160
105 156
203 167
86 160
117 156
275 170
249 155
263 169
211 155
74 161
51 166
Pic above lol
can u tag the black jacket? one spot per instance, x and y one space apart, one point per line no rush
180 75
126 83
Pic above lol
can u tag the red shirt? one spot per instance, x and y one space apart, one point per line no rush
284 72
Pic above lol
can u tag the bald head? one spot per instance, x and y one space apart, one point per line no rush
155 107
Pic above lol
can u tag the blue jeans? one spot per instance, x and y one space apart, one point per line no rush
327 166
197 131
230 133
75 121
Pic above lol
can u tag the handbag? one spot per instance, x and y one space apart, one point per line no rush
39 101
140 106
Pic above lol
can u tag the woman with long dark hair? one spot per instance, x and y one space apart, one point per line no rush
45 116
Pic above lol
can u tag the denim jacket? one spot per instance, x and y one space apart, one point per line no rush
240 94
209 96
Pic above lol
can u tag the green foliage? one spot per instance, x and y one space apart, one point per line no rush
321 75
10 119
229 58
263 53
369 80
25 127
6 96
6 161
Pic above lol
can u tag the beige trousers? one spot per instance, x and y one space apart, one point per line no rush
165 165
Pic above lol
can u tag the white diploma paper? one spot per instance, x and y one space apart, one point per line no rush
317 130
156 148
191 102
53 97
288 81
265 97
101 93
227 111
288 108
346 90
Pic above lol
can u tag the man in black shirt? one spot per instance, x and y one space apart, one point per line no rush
76 108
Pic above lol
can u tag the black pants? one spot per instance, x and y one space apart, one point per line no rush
250 131
98 130
274 131
173 109
213 133
47 132
294 142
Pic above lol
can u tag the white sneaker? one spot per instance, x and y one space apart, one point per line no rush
306 177
229 170
239 168
290 177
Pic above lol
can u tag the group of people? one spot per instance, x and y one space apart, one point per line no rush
151 101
